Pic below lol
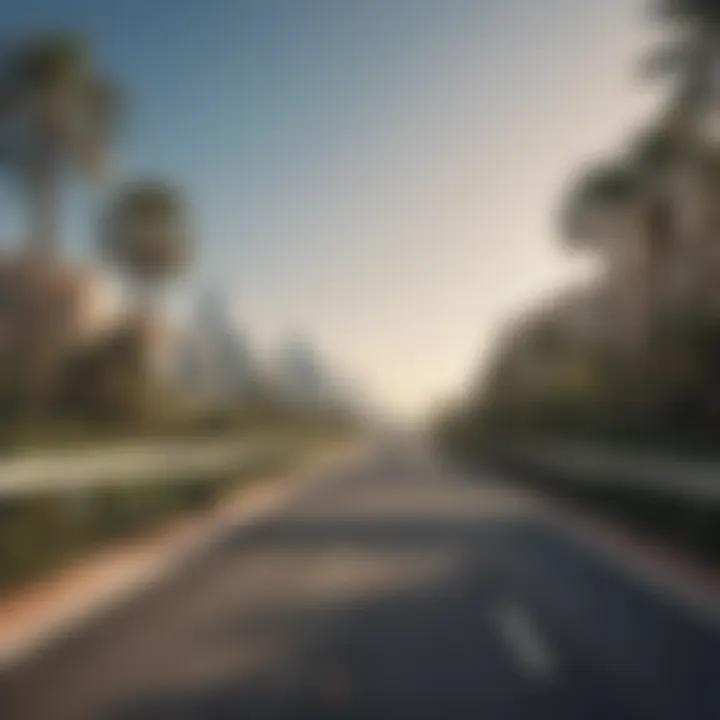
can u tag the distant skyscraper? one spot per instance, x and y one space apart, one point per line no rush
302 375
217 362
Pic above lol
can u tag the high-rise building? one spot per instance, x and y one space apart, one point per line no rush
303 379
215 360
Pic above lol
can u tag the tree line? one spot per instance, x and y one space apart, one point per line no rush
633 356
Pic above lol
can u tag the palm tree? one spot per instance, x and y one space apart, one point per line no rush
55 114
624 212
599 201
692 61
146 234
614 207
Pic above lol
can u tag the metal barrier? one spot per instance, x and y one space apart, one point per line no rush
592 465
127 464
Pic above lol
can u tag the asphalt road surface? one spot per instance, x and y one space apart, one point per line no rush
396 589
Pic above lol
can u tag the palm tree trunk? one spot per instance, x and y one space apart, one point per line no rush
41 373
44 201
145 303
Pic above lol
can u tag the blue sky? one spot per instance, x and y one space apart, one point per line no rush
378 174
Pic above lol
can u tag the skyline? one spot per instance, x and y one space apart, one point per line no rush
381 176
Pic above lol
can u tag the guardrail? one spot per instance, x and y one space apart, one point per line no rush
677 501
592 465
128 464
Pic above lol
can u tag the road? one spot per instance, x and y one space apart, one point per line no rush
394 589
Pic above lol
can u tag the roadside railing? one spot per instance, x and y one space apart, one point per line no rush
671 499
56 506
587 464
128 464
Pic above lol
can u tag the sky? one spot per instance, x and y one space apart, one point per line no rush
380 176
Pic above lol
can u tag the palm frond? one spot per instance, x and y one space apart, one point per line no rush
593 198
146 230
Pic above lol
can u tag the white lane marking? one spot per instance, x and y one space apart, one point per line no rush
522 636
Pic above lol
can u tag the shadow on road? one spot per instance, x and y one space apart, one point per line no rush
432 645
